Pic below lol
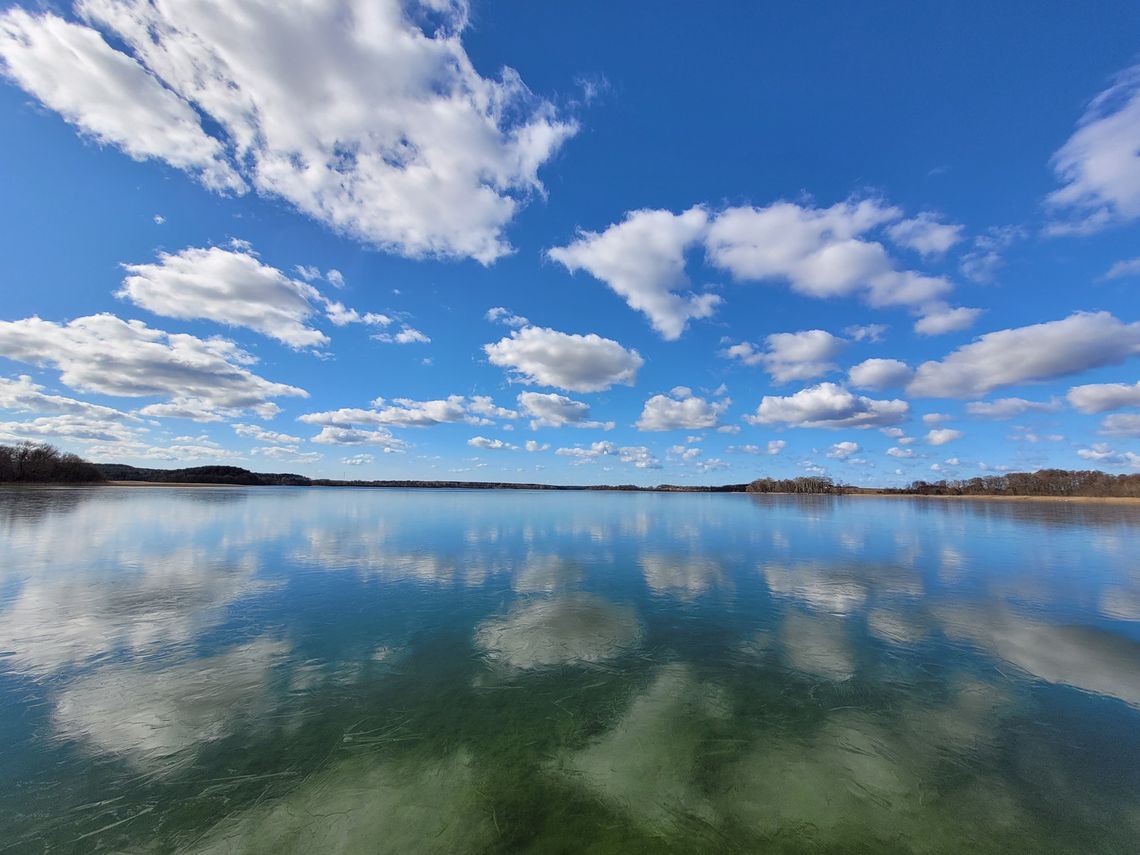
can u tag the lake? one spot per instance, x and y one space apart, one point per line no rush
291 670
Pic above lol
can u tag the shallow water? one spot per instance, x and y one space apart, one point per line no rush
320 670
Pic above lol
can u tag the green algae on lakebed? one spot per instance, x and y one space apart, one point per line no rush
355 671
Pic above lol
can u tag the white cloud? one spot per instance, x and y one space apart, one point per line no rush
491 444
553 410
380 437
230 287
404 412
941 436
358 460
204 378
791 356
83 428
406 335
775 446
682 411
819 251
828 406
1105 455
684 452
1121 424
982 263
936 418
939 319
926 234
1045 351
348 111
1100 397
287 454
25 396
1123 269
879 374
1008 408
866 332
843 450
1099 165
501 315
71 69
900 453
577 363
262 435
642 259
341 315
639 456
534 445
590 454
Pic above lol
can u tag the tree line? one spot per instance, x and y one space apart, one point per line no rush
812 485
1044 482
38 462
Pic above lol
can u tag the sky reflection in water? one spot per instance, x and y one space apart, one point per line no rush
232 670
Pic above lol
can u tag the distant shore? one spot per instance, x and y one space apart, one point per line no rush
601 488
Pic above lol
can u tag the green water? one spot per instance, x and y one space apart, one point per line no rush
292 670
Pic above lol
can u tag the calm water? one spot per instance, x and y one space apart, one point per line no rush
290 670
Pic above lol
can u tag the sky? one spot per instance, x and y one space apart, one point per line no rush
573 243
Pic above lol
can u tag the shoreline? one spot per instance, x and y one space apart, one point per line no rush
1111 500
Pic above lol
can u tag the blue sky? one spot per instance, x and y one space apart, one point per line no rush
573 243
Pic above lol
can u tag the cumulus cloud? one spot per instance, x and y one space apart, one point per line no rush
820 252
879 374
262 435
358 460
775 446
680 410
502 315
230 287
926 234
1104 455
554 410
900 453
1123 269
287 454
1101 397
577 363
843 450
534 445
590 453
1121 424
380 437
791 356
23 395
939 319
828 406
866 332
68 426
1099 165
491 444
385 132
201 378
1008 408
405 412
406 335
1082 341
642 259
941 436
985 258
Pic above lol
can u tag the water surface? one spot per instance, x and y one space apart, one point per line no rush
289 670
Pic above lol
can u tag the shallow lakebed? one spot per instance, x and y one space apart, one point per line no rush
302 670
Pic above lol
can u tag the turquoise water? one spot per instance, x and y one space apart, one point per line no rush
335 670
